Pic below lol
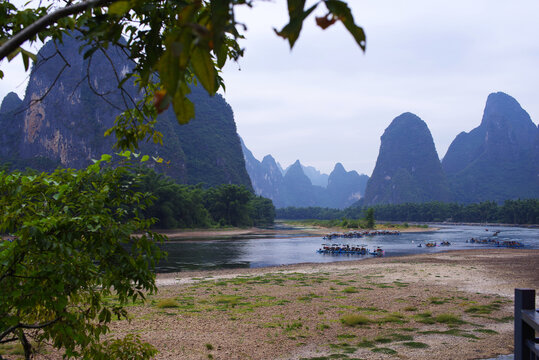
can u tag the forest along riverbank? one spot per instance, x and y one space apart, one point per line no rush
428 306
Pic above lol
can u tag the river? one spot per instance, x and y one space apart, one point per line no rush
284 249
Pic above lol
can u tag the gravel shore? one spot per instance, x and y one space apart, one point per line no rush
456 304
449 305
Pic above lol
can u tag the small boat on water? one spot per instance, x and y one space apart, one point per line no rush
346 249
489 241
377 252
431 244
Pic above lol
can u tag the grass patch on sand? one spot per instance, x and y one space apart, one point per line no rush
355 319
392 318
364 343
483 309
167 303
383 340
486 331
415 345
449 319
384 350
401 337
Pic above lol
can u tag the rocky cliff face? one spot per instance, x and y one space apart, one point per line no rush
407 168
499 159
69 105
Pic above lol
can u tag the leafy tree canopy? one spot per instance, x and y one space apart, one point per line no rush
171 43
70 246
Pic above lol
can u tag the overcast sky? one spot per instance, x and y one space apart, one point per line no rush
326 101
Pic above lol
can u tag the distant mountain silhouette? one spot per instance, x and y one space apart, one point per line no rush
499 159
295 188
66 127
345 187
317 178
407 168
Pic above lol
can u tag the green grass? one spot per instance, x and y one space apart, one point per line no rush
350 290
483 309
383 340
308 297
401 337
365 343
424 318
392 318
323 327
437 301
384 350
486 331
167 303
355 319
228 300
415 345
293 326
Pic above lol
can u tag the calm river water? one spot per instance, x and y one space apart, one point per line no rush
263 250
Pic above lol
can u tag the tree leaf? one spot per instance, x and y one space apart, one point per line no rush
119 8
292 30
183 107
204 68
341 10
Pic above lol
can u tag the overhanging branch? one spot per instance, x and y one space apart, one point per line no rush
30 31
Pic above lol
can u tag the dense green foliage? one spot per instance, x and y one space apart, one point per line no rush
70 246
185 206
511 212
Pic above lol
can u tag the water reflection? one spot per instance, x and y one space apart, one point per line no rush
263 250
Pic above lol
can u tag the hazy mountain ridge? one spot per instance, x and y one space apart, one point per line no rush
66 128
496 161
296 188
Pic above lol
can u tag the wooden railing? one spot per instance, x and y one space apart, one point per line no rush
526 325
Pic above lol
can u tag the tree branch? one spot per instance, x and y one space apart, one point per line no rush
30 31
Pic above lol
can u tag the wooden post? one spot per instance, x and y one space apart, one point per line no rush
524 300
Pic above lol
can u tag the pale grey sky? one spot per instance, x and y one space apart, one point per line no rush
327 102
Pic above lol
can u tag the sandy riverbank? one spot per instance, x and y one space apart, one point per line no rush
179 234
455 304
